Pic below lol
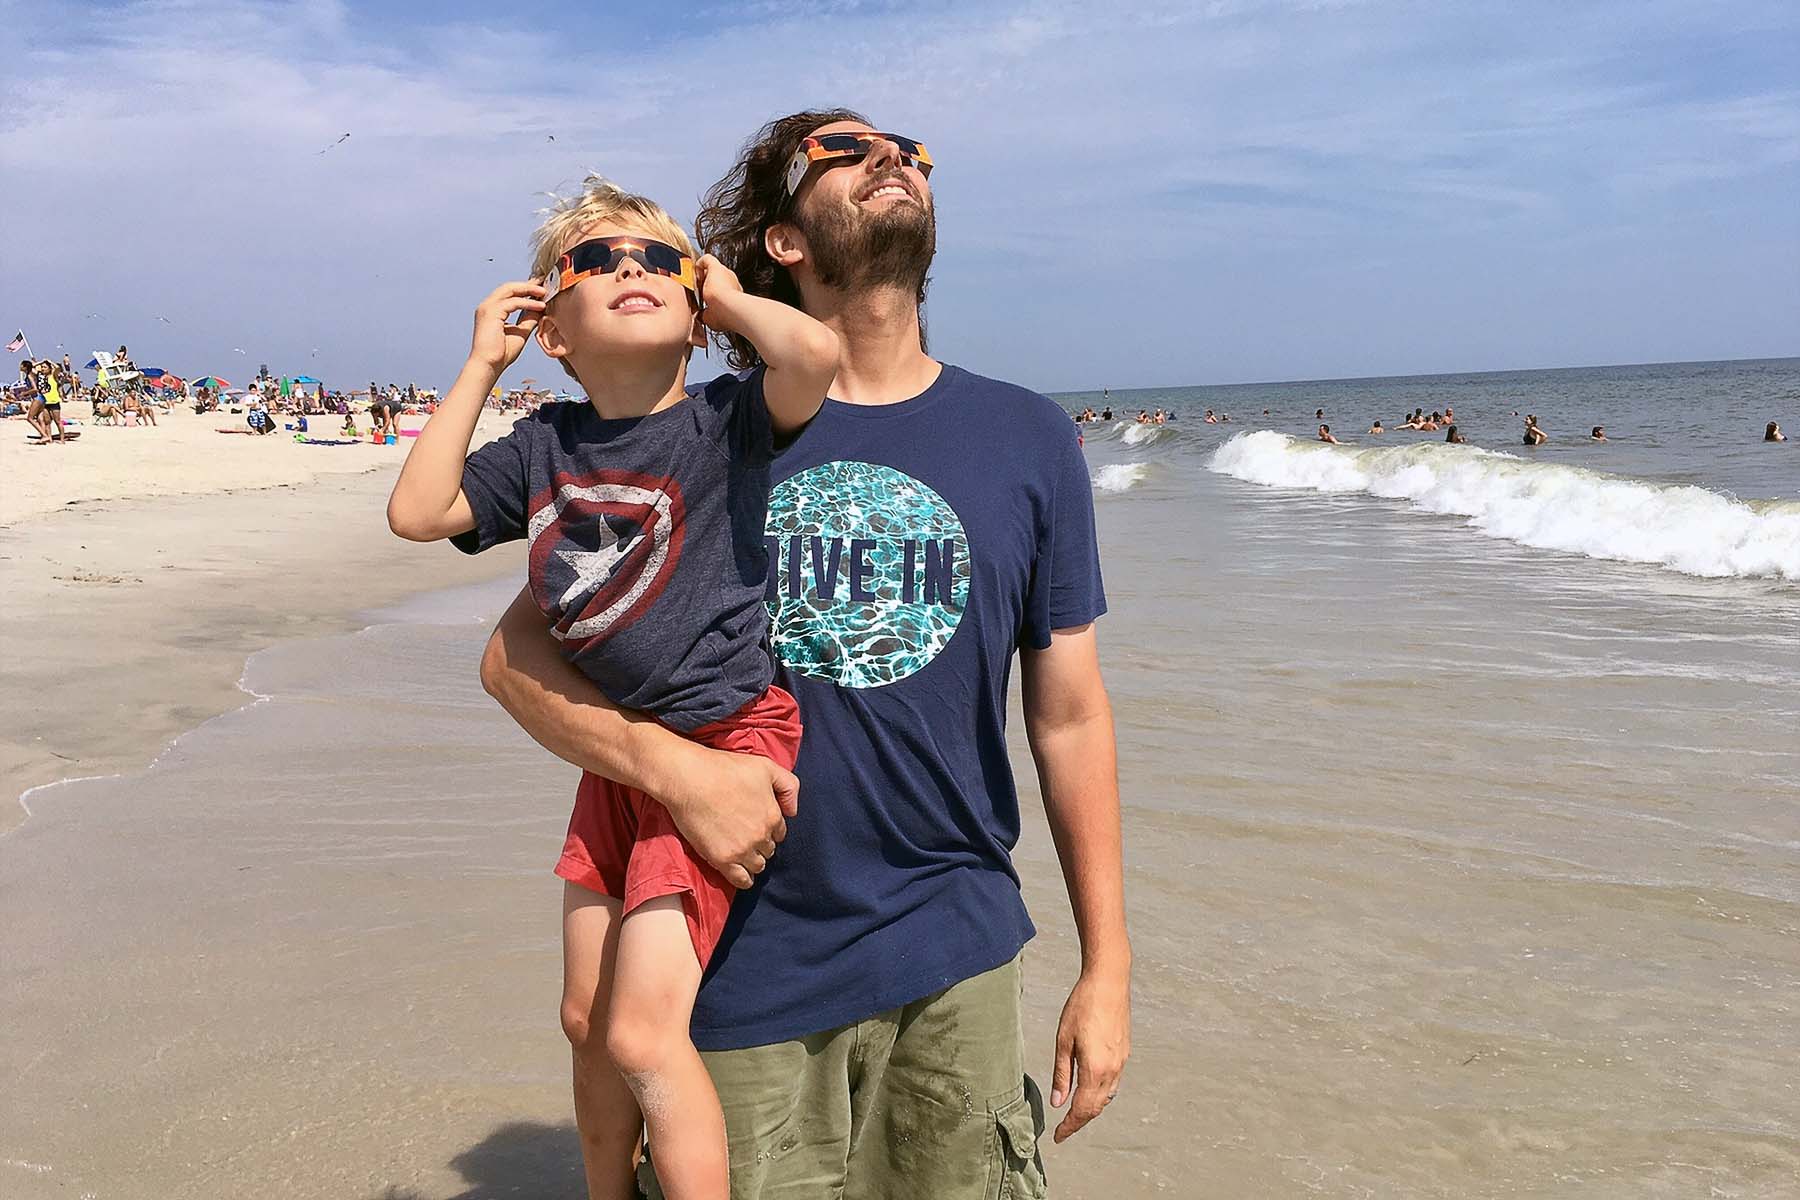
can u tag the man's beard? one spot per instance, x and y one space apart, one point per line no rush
892 247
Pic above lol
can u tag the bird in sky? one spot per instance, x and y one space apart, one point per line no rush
339 142
239 349
165 320
91 316
549 137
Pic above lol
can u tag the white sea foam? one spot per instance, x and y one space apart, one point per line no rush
1146 435
1120 477
1552 507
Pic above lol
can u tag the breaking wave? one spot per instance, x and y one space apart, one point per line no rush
1687 529
1120 477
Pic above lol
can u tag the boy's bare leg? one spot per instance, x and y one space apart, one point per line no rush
606 1113
654 986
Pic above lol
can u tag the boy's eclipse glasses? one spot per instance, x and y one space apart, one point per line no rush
830 147
602 256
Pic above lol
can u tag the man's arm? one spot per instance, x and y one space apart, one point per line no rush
1068 720
730 807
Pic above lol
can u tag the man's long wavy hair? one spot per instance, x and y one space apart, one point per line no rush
738 210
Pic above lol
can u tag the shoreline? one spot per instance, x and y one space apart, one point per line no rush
130 620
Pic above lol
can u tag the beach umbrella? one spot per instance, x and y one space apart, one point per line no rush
153 372
213 381
306 379
165 380
92 363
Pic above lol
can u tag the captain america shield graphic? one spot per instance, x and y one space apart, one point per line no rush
604 545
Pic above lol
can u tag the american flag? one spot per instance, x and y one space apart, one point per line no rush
17 344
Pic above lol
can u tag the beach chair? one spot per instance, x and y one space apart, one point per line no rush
119 379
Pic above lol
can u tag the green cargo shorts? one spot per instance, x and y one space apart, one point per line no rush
929 1101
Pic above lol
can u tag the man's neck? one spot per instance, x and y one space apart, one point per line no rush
881 360
620 389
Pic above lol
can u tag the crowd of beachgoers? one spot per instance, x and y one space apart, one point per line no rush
1417 421
120 394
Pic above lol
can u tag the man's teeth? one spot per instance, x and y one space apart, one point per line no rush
887 190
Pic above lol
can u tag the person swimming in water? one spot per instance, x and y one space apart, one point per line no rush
1376 427
1599 434
1209 418
1325 435
1533 435
1143 417
1319 413
1773 433
1454 437
1106 413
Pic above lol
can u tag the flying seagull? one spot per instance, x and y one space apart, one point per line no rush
91 316
165 320
238 349
339 142
549 137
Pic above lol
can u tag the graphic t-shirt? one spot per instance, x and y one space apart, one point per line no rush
646 549
912 548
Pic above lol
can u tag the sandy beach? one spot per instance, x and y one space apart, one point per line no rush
155 560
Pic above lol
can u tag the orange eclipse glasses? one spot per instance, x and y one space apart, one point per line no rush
602 256
844 147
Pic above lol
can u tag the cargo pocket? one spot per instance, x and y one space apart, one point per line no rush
1018 1168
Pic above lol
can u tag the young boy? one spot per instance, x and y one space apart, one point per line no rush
644 508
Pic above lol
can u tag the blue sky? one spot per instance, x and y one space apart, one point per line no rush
1129 194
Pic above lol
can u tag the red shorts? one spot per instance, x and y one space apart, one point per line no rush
623 844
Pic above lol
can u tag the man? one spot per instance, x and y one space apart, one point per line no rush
862 1014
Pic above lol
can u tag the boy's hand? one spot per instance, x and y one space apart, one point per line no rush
497 343
719 286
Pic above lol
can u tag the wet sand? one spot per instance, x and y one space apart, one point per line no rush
127 620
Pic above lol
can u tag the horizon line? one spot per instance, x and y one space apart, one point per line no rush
1679 362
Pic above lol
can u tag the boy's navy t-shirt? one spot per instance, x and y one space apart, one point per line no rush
646 543
912 548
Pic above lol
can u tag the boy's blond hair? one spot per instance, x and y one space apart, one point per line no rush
600 199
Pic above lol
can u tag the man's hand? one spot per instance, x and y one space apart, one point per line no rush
1093 1040
732 808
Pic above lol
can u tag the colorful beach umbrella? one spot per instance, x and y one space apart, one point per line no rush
213 381
306 379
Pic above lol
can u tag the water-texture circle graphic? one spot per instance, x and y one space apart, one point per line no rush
870 573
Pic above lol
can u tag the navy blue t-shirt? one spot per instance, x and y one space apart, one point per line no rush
912 548
646 550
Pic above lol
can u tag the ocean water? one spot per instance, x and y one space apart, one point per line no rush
1462 811
1683 481
1462 785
